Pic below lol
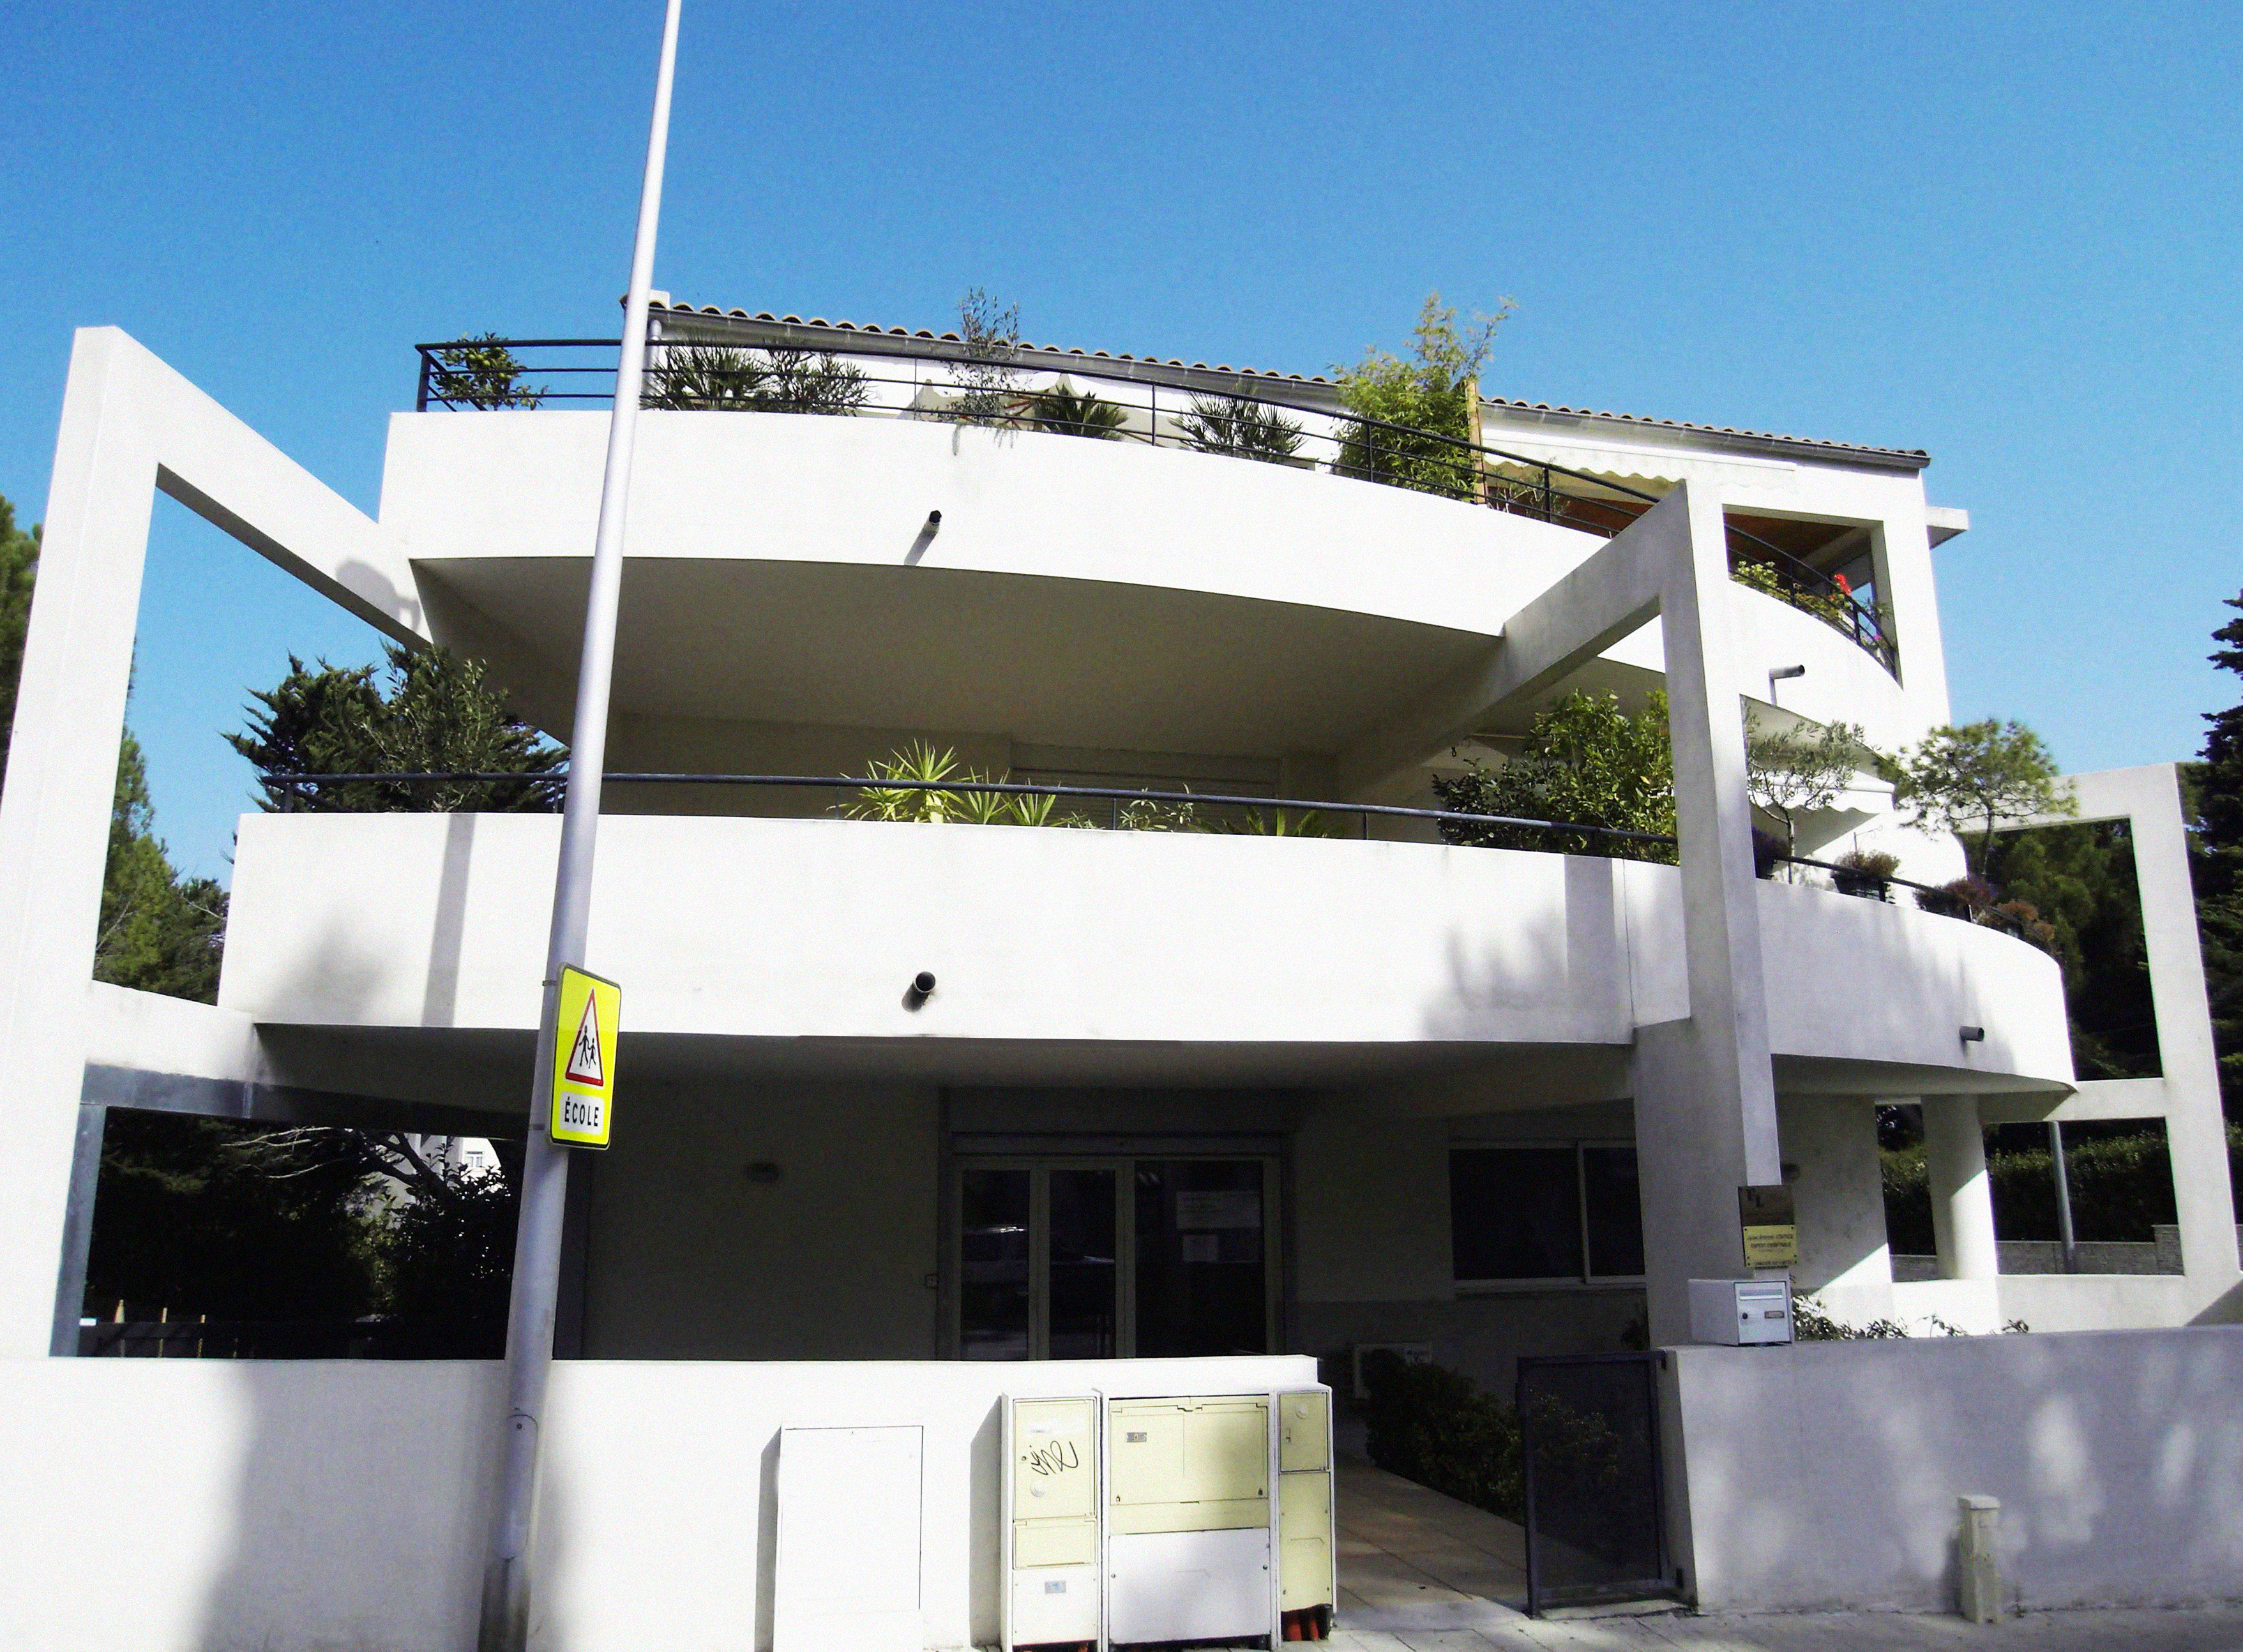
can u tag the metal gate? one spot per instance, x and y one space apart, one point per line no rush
1596 1504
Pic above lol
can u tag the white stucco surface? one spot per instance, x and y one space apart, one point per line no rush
813 928
1826 1474
220 1505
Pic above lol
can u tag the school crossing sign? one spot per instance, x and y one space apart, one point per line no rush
584 1058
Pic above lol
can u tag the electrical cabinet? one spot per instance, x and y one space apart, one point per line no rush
1051 1508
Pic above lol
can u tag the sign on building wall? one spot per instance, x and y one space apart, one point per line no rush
584 1059
1771 1226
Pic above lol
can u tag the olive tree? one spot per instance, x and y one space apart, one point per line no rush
1789 772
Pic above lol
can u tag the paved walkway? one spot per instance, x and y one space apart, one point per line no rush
2215 1630
1420 1572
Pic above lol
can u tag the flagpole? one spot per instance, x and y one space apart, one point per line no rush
508 1564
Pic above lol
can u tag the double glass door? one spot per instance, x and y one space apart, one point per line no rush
1096 1258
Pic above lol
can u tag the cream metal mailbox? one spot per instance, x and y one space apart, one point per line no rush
1307 1586
1218 1517
1051 1514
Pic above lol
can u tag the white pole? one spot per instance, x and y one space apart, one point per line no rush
505 1624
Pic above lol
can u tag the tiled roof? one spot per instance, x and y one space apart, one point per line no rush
1553 408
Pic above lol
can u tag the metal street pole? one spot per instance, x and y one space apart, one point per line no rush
505 1623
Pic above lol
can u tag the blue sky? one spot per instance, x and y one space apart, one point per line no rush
2005 234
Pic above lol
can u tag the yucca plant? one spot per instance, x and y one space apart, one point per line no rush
917 761
1310 823
1070 413
1031 809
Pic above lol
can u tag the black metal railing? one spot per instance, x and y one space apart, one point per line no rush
497 374
292 792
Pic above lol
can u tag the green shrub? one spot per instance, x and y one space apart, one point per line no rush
1435 1426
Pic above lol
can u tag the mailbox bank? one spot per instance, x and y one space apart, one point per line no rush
1190 1517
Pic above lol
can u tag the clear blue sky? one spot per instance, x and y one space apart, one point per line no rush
2007 234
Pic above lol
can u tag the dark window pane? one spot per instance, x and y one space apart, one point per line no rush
1514 1213
1082 1267
1201 1288
993 1263
1616 1212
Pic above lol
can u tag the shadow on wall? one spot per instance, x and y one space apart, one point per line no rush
1552 970
1826 1476
367 1536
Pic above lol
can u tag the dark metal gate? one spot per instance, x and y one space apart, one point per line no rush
1596 1502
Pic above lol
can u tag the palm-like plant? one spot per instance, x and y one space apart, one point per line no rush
923 801
1243 429
1068 412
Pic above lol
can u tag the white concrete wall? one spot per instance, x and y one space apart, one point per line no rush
808 929
1826 1474
215 1505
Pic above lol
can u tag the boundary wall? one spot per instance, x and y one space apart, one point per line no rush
211 1505
1825 1474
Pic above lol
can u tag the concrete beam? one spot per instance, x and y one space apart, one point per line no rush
130 427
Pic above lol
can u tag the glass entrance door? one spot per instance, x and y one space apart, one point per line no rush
1100 1259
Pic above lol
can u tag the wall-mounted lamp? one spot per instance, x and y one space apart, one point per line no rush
921 989
934 523
1974 1035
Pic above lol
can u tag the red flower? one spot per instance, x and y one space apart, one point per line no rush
1839 580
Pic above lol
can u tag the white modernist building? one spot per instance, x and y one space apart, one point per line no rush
1239 1098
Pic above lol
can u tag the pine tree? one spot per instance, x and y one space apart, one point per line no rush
19 568
2217 784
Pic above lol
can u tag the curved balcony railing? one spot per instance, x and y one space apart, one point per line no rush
1128 809
492 374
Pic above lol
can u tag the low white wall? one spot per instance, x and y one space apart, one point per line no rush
205 1505
1826 1474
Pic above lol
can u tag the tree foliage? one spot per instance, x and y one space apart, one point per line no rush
19 570
159 932
1973 777
1412 423
434 712
707 378
481 372
1789 772
2080 879
1585 761
988 382
2216 784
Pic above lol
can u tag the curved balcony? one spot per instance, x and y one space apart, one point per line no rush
696 364
1073 956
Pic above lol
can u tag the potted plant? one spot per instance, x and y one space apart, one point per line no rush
1866 873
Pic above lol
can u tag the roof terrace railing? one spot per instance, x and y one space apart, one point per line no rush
497 374
288 793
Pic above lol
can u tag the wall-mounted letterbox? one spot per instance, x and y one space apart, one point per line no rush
1740 1311
1052 1522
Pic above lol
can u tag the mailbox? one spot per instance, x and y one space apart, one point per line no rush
1051 1523
1307 1586
1740 1311
1218 1517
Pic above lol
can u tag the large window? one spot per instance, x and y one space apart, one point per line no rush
1545 1213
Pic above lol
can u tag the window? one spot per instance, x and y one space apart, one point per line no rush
1567 1212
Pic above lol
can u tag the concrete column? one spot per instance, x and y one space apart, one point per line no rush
1962 1197
2196 1132
1705 1091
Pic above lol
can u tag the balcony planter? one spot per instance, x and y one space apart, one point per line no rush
1865 876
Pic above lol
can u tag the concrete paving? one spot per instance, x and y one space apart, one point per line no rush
2208 1629
1420 1572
